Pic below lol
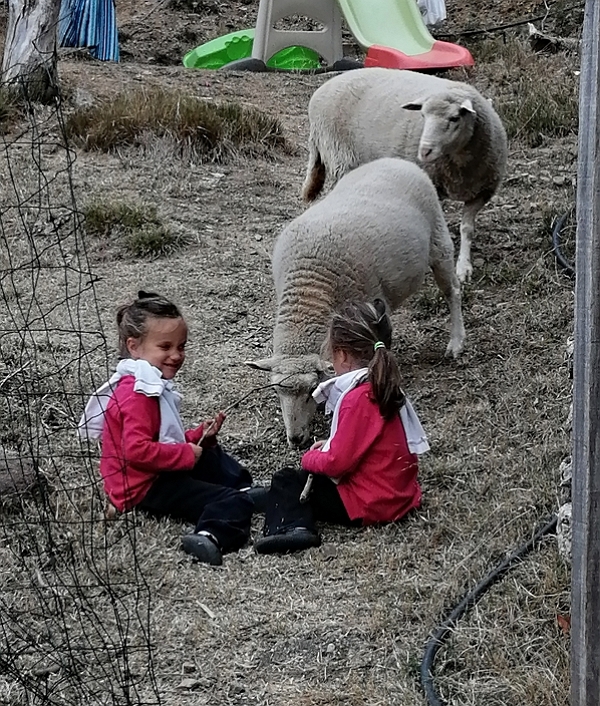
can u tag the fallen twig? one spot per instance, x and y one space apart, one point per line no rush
20 369
235 404
307 488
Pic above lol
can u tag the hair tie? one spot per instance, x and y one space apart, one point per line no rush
378 344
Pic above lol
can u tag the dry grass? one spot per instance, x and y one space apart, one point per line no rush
342 624
538 92
214 132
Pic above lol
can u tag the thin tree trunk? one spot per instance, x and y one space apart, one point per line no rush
30 49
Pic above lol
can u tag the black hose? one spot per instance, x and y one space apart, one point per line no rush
568 267
435 641
500 28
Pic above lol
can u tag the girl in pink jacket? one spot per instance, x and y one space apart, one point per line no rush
148 460
366 471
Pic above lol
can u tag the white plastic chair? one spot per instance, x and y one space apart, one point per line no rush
327 42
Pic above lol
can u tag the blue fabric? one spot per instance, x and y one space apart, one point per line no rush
90 23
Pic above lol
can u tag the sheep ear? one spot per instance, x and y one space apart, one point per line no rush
384 323
379 305
412 106
325 370
467 107
266 364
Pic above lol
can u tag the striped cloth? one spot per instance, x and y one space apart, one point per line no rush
90 23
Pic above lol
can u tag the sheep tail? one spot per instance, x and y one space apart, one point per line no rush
315 177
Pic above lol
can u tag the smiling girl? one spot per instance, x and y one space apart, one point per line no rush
148 460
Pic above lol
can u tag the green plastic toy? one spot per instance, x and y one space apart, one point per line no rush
238 45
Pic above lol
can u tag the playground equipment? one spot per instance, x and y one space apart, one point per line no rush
237 46
391 32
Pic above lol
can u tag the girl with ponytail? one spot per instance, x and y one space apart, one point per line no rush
366 471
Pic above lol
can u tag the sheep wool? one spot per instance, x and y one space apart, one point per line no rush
375 235
446 126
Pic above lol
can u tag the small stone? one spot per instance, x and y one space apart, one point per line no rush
329 551
330 648
559 180
45 670
189 684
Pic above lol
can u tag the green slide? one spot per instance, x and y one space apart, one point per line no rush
238 45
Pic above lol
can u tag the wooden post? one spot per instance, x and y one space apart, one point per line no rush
29 61
585 625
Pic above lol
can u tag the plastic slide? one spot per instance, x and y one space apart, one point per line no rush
393 34
238 45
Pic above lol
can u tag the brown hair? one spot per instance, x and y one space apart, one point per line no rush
132 319
355 328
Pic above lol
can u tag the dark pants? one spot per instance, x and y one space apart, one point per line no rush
208 496
285 511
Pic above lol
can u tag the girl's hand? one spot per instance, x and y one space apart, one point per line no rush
318 444
213 426
196 449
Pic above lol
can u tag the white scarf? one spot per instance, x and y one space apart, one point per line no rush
149 382
333 391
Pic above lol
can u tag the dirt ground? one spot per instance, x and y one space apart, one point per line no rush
162 32
344 624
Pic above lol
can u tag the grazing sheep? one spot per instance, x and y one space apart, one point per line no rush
369 113
375 236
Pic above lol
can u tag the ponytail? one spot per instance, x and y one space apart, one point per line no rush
384 376
365 331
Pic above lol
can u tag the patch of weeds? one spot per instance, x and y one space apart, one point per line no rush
214 132
538 282
137 229
152 242
537 94
103 217
428 302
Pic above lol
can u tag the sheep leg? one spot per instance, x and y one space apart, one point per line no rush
464 269
442 267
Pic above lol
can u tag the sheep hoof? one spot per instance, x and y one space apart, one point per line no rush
464 270
454 349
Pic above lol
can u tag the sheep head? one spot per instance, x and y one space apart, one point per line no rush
295 379
448 124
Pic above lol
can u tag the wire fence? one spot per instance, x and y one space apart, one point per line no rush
75 610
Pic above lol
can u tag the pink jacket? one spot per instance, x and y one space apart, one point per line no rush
132 456
369 457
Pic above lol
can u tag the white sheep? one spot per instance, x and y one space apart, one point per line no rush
375 235
458 137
